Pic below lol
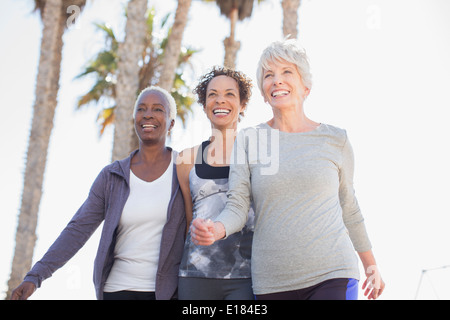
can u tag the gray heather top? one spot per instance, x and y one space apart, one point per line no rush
307 220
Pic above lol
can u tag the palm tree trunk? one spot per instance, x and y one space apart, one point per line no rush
173 48
128 79
47 85
231 45
290 17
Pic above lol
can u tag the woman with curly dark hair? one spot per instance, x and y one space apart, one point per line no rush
221 271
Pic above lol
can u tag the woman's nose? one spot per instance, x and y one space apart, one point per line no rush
220 99
148 114
277 79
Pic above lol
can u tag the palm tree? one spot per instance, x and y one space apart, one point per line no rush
173 47
235 10
104 68
290 17
128 77
54 17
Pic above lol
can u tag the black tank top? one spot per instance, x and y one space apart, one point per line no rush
204 170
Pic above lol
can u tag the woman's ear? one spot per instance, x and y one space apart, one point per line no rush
172 124
242 112
307 92
243 109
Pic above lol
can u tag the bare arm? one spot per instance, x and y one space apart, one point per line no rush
185 162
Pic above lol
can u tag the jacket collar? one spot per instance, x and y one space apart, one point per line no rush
122 167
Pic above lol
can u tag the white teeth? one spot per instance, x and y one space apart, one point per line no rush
222 111
280 93
148 126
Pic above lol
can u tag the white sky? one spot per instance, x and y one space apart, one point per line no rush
381 70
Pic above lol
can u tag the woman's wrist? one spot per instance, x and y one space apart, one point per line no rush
219 231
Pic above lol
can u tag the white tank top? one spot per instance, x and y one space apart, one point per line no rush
136 254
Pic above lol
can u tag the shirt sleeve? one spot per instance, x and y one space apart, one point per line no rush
351 213
74 236
235 214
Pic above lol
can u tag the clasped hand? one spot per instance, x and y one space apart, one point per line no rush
205 232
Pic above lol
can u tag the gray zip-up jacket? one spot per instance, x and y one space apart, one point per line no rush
105 202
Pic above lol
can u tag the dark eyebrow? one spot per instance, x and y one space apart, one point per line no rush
230 89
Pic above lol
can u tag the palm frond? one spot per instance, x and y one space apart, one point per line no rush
103 67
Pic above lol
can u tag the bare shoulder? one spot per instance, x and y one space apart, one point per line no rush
185 161
187 156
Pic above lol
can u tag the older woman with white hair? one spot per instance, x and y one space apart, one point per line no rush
140 202
307 220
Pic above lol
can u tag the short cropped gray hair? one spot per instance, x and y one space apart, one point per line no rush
287 50
170 99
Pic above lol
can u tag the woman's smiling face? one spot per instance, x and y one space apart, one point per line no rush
283 85
223 103
152 120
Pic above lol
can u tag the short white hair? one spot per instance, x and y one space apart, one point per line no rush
290 51
170 99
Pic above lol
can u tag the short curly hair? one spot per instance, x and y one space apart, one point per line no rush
244 83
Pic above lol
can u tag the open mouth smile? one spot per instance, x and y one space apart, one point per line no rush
148 127
280 93
221 111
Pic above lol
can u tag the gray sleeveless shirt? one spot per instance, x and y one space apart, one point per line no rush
225 259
